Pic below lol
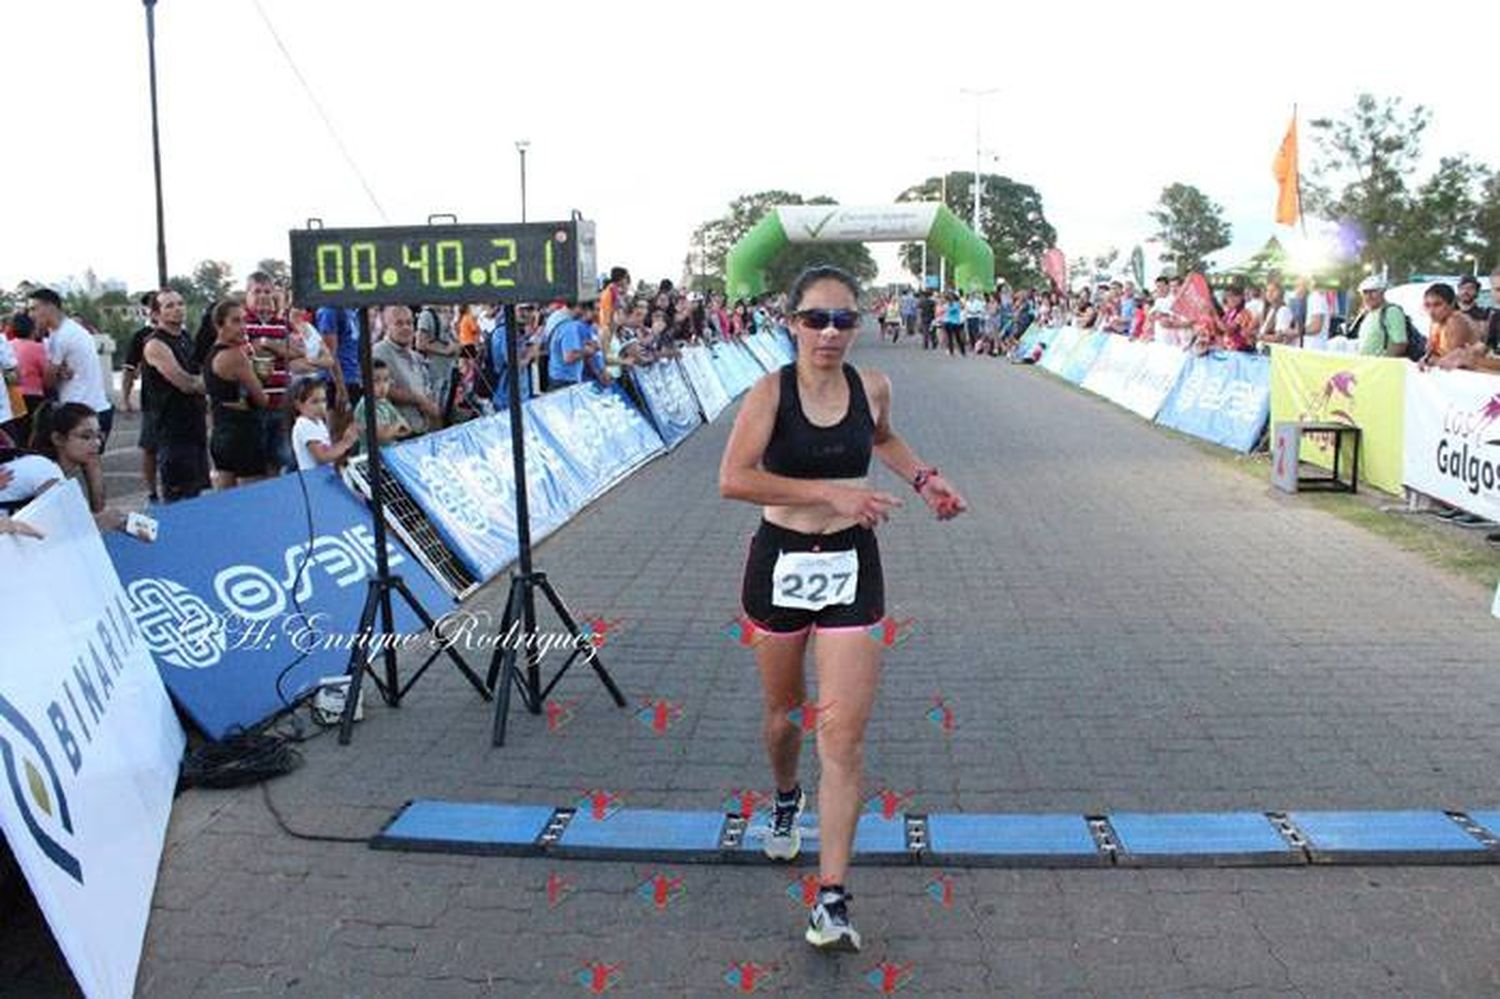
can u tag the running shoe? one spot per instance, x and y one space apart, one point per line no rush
828 927
783 838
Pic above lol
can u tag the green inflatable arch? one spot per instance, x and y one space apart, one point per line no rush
927 221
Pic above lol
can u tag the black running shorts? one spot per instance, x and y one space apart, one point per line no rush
758 596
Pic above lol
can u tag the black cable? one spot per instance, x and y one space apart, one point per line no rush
265 793
239 759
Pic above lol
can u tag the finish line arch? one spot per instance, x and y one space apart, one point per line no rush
918 221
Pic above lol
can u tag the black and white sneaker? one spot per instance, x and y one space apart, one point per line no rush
783 838
828 927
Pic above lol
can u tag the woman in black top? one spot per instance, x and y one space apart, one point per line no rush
237 444
801 449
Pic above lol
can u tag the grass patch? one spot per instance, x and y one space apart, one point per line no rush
1458 550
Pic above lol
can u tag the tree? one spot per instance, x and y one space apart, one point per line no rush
213 279
718 236
280 270
1359 177
1105 262
1442 227
1191 226
1487 222
1011 220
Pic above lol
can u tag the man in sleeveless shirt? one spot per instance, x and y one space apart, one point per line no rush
171 380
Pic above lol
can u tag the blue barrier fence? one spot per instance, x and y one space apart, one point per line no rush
1223 398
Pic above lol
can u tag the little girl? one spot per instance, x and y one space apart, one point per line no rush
310 439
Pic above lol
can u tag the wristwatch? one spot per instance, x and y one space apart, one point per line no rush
920 479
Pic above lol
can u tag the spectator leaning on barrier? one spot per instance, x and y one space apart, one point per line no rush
73 369
1384 335
1279 324
389 425
1450 344
68 433
571 345
409 388
1311 315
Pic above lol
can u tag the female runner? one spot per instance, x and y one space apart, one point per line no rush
801 448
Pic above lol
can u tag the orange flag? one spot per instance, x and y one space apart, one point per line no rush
1284 167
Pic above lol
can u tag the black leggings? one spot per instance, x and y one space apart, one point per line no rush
955 332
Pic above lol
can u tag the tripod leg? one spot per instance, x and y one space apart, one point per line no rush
506 621
573 629
356 668
533 663
430 624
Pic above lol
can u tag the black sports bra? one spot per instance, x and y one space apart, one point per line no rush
799 449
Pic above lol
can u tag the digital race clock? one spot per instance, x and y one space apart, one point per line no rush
445 264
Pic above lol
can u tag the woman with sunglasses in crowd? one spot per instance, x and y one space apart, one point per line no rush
801 449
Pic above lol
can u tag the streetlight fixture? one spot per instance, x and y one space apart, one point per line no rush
521 146
161 233
979 96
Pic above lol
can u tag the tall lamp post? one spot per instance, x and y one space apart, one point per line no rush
521 145
979 96
161 232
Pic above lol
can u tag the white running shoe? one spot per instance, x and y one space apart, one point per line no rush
783 838
828 927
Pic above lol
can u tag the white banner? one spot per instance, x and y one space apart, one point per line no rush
1452 439
1116 366
88 742
1154 380
846 224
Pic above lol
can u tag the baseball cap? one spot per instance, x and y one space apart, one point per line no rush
1372 283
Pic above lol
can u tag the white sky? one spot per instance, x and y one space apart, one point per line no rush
649 117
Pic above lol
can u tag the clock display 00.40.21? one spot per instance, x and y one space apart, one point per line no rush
359 266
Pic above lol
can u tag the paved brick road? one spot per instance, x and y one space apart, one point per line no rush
1122 623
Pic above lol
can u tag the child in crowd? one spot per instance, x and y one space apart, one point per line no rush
310 438
389 424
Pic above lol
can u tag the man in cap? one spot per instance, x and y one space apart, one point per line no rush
1381 325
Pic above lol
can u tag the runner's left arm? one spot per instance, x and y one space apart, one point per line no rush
899 457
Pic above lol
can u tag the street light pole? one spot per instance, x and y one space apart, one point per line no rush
521 145
978 96
161 229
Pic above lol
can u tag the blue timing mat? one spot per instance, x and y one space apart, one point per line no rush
598 830
1217 840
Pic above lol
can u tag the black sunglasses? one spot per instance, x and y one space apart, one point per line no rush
819 319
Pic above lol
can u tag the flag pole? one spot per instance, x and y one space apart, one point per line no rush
1301 218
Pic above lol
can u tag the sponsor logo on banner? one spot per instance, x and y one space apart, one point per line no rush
1210 391
1452 446
843 223
37 788
184 631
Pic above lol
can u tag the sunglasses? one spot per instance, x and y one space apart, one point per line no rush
819 319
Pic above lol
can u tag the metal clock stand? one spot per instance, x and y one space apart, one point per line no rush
521 605
378 596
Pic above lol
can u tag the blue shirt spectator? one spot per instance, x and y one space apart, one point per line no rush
569 338
497 360
343 326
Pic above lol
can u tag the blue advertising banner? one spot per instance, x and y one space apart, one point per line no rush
1076 368
601 432
669 399
733 369
786 344
462 479
1059 347
1223 397
232 592
764 350
752 359
698 367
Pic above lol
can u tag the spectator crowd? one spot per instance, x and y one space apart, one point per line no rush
260 387
1461 333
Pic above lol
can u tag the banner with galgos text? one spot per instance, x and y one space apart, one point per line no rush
1452 445
88 742
249 596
